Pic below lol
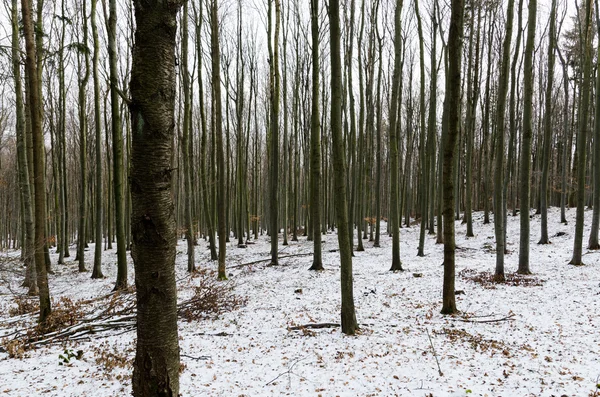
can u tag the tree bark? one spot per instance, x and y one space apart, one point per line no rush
452 108
34 103
97 270
394 140
315 141
548 129
28 248
218 134
582 136
500 124
348 316
117 145
156 366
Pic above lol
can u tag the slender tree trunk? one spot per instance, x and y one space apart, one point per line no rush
424 164
548 128
83 129
582 136
593 241
378 159
452 109
315 141
185 143
117 144
348 316
274 127
525 180
28 247
218 134
34 103
499 174
97 271
394 140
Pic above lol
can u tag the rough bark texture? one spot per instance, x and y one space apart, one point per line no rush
452 108
156 366
349 325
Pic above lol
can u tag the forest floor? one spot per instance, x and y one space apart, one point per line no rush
532 336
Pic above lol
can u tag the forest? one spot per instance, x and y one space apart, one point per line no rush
285 197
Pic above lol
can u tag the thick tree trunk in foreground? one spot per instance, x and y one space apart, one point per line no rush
156 366
452 109
349 325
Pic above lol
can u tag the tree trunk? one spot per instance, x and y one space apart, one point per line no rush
499 174
394 140
274 129
548 129
156 366
117 144
185 143
97 270
348 316
582 136
525 181
218 134
452 109
593 241
28 248
315 141
34 103
83 129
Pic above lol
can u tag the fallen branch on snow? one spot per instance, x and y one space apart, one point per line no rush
268 259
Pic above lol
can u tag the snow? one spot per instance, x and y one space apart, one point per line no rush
549 347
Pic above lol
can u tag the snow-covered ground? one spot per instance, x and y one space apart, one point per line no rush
550 346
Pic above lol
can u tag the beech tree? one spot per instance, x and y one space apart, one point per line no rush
156 367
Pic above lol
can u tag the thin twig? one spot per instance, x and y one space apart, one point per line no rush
314 326
434 353
269 259
495 320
